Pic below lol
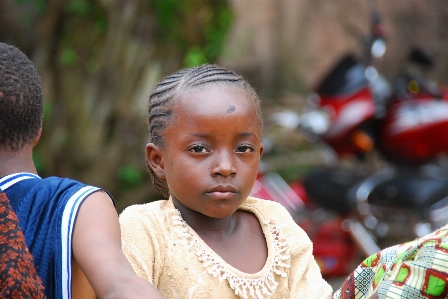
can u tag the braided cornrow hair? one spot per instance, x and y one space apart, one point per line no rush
160 112
21 99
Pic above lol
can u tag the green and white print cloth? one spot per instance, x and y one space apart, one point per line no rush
417 269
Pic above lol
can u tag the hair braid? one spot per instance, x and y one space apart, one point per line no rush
160 112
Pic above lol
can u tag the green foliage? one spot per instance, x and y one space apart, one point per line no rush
48 110
92 66
195 56
39 5
129 177
198 28
216 32
68 57
100 66
169 14
83 26
79 7
88 11
37 159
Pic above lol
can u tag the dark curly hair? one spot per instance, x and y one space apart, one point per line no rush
160 113
21 99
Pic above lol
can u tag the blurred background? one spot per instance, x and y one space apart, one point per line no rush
100 59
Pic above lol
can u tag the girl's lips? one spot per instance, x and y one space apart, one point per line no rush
221 194
222 189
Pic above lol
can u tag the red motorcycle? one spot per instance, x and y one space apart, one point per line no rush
413 130
354 114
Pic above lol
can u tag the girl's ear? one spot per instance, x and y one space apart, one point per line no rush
261 150
154 158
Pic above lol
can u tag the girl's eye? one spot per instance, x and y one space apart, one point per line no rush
198 149
245 149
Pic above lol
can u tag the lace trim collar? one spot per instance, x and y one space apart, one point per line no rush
255 287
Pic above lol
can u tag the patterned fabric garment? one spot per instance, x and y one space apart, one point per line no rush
417 269
18 277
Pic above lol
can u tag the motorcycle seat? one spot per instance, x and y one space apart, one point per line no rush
331 188
417 192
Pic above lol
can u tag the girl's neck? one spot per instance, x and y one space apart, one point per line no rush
205 226
239 239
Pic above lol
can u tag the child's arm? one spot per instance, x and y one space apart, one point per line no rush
97 250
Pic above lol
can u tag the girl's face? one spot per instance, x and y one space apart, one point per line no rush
212 150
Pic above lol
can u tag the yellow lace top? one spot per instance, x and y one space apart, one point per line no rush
164 250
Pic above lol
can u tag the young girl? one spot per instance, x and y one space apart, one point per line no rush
209 239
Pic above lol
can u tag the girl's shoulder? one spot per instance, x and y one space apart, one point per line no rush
141 208
144 213
268 208
273 213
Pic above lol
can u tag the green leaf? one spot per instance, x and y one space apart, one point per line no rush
79 7
195 56
129 177
68 57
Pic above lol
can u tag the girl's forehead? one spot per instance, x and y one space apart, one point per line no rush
215 103
221 104
226 97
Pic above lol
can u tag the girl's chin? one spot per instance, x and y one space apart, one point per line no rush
221 212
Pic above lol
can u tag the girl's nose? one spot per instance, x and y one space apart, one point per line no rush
224 164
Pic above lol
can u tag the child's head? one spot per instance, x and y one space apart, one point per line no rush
21 100
189 97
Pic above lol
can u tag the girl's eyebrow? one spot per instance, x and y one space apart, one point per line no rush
247 134
200 134
243 134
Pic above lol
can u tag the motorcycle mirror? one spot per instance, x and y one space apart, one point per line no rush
287 119
378 48
371 73
316 121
